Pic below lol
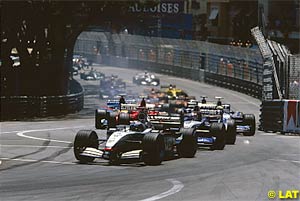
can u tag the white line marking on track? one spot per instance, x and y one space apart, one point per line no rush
268 134
282 160
32 146
290 154
246 141
21 134
0 162
177 186
289 136
7 132
32 160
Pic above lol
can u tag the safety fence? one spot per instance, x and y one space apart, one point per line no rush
21 107
227 66
294 77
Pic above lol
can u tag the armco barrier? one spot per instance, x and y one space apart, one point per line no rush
229 82
234 84
21 107
271 117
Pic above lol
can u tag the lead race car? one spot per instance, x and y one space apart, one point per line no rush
245 123
163 139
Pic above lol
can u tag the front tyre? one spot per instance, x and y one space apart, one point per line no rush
218 131
84 139
231 132
153 149
249 120
187 148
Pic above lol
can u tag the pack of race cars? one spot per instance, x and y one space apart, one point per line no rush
169 124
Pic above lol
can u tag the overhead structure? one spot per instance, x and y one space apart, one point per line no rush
271 55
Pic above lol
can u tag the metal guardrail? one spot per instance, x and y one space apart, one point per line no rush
227 66
21 107
271 116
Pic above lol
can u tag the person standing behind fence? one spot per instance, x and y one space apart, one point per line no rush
229 68
143 103
121 101
221 66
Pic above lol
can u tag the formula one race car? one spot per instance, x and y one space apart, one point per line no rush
146 79
111 87
151 145
174 93
135 111
91 75
211 129
245 123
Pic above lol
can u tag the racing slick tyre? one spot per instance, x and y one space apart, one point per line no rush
231 132
112 121
84 139
249 119
218 130
124 118
187 148
100 115
114 159
153 149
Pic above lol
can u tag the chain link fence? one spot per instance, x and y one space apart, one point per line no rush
196 60
294 75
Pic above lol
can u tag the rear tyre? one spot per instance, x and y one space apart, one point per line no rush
114 159
84 139
249 120
187 148
112 121
231 132
218 130
124 118
100 115
153 149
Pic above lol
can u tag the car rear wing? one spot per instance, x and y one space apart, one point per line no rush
192 103
113 104
167 121
167 86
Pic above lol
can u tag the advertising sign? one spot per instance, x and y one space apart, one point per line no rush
291 122
163 7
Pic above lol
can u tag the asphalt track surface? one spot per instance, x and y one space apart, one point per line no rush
37 161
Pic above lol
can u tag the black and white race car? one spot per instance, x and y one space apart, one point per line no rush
146 79
91 75
152 145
